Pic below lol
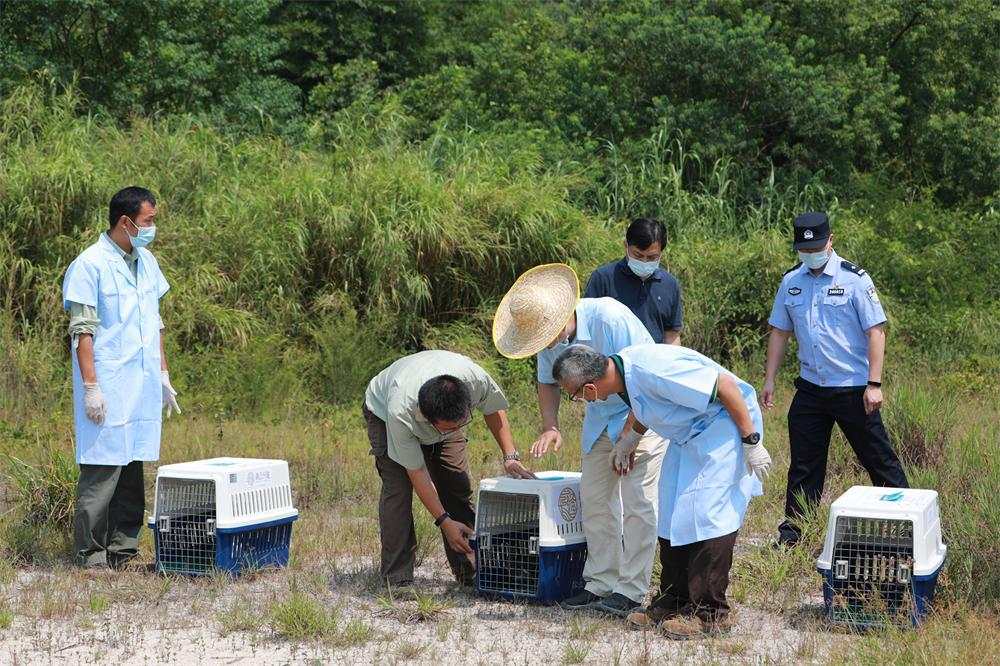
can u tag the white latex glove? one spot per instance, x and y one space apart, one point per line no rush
93 403
758 460
622 456
169 394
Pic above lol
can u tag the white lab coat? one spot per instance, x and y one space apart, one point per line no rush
126 354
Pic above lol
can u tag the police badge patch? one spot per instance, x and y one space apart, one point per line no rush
794 291
872 296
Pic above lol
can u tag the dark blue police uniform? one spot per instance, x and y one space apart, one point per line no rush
830 315
656 301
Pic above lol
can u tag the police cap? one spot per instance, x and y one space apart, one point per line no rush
812 230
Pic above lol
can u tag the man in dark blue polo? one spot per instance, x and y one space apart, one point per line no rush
638 281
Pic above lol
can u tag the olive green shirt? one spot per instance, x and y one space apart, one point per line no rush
392 397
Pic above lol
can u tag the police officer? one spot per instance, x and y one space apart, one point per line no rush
833 310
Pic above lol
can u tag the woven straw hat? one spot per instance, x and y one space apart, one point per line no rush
535 310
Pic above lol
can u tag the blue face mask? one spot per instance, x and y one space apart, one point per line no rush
643 269
144 237
814 260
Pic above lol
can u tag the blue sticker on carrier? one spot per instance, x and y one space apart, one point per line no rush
892 497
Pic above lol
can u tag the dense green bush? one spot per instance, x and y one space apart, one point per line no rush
284 259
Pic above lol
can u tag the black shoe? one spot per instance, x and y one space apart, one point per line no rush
617 604
580 600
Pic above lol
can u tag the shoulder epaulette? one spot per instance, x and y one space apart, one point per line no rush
848 266
793 268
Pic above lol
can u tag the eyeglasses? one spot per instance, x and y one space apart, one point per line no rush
575 396
467 421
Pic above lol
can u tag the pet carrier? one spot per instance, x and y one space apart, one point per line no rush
229 514
529 538
882 556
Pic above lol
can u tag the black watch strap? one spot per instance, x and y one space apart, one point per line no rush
874 383
440 519
751 439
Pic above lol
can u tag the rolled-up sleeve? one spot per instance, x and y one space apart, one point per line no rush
82 319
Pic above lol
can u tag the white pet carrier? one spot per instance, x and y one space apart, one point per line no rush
529 537
231 514
882 556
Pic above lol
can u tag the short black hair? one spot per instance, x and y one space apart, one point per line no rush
644 231
128 201
444 398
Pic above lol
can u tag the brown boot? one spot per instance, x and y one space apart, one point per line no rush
721 626
648 618
686 627
683 628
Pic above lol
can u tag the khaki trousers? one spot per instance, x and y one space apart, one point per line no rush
619 518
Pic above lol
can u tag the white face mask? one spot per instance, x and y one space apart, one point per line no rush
642 269
814 260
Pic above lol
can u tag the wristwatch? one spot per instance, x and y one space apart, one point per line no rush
439 521
872 382
752 439
507 457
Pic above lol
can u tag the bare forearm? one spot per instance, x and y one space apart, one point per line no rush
85 357
730 397
876 353
548 405
498 425
672 337
775 351
423 486
632 423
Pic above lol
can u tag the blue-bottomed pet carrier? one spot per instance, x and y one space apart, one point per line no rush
882 556
529 540
228 514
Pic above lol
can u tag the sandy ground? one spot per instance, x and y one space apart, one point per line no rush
149 619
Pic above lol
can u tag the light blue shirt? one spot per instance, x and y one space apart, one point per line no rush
830 314
705 486
126 353
607 326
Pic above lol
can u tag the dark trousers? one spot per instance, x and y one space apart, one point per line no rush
449 469
694 577
811 417
110 501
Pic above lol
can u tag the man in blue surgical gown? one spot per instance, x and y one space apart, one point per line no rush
120 380
713 466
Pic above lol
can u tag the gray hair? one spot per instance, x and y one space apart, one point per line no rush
579 365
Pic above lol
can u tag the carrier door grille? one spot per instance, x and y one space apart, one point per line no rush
508 543
872 567
185 524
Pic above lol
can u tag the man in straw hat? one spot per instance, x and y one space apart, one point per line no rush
416 411
541 314
714 464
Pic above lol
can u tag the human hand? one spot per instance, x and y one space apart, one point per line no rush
549 437
169 394
457 534
623 454
767 395
94 405
758 460
873 399
516 470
